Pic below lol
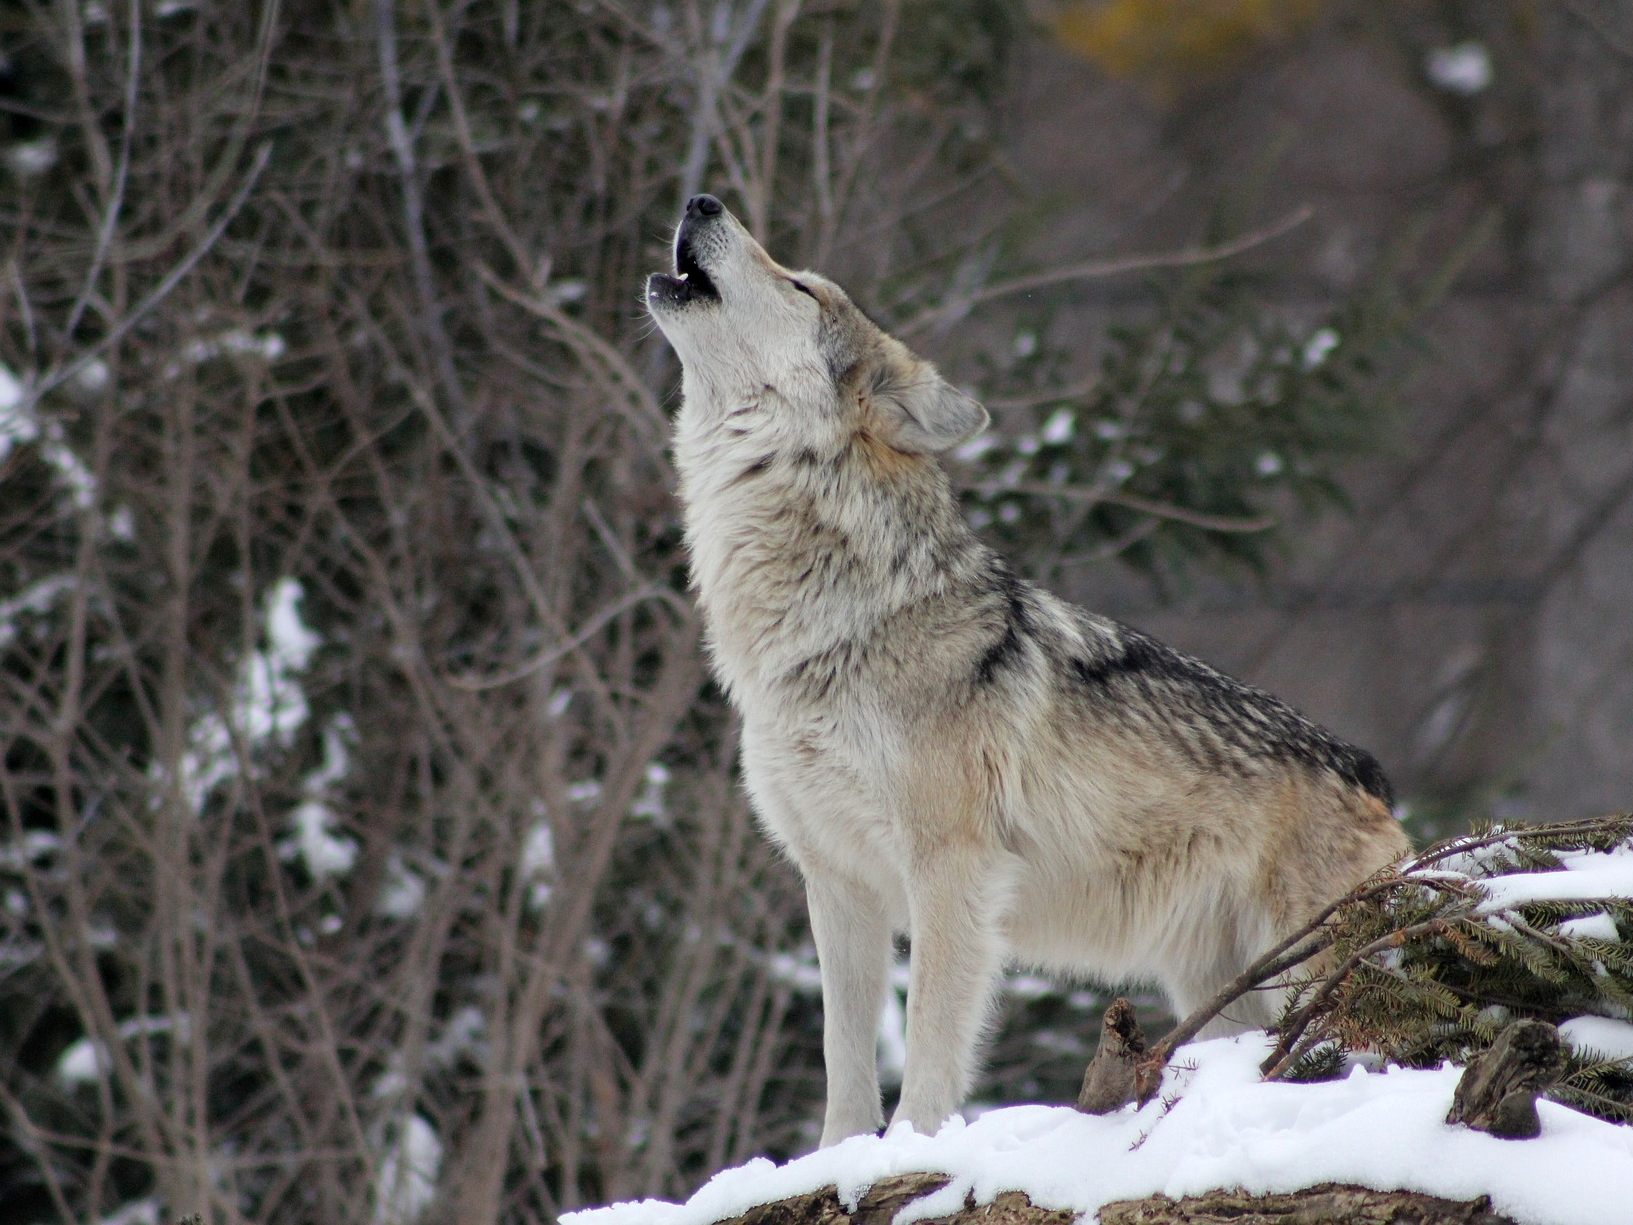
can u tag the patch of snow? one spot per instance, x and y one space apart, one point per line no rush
18 424
12 421
1586 875
314 841
1593 927
465 1033
568 291
797 970
975 448
268 704
1030 987
1118 471
269 346
289 642
1613 1039
35 844
538 851
1462 69
1227 1128
84 1062
392 1083
70 469
586 791
137 1212
93 376
407 1181
403 892
1268 464
538 861
31 157
891 1050
34 600
649 805
324 853
1060 427
1478 860
1317 348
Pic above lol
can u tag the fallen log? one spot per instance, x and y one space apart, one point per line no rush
1327 1204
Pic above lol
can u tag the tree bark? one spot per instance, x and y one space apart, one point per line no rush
1498 1090
1112 1078
1327 1204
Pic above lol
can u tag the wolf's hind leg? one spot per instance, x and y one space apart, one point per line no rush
1214 964
853 952
956 900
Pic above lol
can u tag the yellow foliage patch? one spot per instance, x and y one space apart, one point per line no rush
1169 43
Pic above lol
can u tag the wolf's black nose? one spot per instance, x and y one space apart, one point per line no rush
703 206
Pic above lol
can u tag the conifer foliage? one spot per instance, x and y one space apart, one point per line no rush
1431 962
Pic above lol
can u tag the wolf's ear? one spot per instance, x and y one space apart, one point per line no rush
919 411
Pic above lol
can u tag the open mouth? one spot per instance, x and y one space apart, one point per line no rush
690 271
689 282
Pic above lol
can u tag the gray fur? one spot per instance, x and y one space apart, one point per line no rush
943 748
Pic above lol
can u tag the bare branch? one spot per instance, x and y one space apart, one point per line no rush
1094 269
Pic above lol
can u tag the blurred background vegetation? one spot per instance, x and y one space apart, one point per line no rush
370 846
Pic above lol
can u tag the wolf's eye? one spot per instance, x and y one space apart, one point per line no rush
804 289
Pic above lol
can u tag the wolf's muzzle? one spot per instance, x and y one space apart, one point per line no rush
691 282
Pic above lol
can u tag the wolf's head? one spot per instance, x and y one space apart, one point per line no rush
744 325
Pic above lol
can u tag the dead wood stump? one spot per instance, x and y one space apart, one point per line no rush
1113 1077
1498 1090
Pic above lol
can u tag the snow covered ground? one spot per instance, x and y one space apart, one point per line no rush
1214 1125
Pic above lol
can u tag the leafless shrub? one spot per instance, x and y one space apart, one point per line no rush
370 840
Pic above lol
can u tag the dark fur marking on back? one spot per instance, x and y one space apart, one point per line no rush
1212 713
1011 644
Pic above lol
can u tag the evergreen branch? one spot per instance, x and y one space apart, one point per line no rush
1295 949
1284 1051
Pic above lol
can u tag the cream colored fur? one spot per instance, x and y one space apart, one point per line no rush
943 749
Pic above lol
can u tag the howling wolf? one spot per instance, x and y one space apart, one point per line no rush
942 748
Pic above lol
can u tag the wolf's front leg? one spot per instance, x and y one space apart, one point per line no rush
956 901
853 951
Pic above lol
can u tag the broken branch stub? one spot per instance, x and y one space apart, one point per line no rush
1498 1090
1113 1077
